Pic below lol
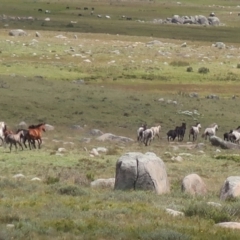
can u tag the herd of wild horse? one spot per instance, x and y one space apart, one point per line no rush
21 136
146 135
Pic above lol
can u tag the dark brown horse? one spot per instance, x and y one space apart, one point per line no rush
35 133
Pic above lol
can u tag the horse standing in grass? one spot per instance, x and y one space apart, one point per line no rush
171 135
35 133
181 131
156 131
194 131
210 131
148 136
14 139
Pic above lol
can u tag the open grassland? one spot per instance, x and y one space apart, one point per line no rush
113 82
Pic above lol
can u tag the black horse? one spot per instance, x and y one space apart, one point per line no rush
171 135
181 131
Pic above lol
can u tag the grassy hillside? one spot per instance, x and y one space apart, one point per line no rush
113 76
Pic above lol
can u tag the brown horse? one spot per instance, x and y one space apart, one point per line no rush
35 133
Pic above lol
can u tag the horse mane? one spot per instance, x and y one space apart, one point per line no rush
36 126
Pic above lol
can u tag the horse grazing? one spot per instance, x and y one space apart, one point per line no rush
147 136
181 131
156 131
35 133
140 132
194 131
171 135
14 139
210 131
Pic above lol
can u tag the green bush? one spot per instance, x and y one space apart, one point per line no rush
203 70
189 69
238 65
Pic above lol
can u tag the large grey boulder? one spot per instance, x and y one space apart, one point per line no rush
218 142
177 19
214 21
230 188
17 32
202 20
194 185
138 171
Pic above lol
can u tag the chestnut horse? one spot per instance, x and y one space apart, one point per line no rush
35 133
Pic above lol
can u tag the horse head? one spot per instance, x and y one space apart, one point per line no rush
199 126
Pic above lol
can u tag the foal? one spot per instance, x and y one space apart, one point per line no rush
14 139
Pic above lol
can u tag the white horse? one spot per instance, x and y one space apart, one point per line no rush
2 130
236 136
194 131
156 131
210 131
148 136
140 132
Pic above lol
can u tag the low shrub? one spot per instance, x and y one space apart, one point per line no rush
203 70
165 234
189 69
203 210
72 190
238 65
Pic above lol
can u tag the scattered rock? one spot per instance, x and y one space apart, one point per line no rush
17 176
37 34
194 185
114 138
230 188
94 152
233 225
174 212
214 204
218 142
96 132
103 183
49 127
17 32
36 179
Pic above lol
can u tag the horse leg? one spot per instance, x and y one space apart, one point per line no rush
39 143
20 145
24 142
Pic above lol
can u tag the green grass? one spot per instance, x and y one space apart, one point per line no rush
122 85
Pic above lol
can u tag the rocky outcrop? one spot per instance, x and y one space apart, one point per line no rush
218 142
